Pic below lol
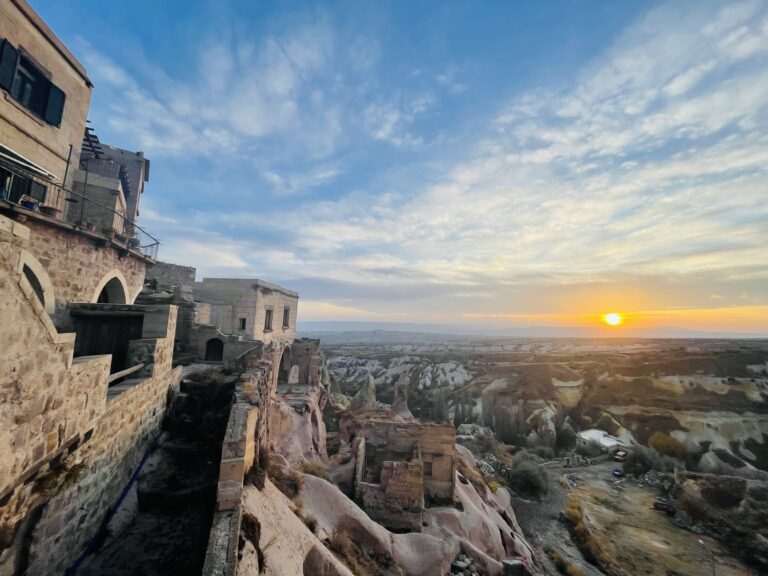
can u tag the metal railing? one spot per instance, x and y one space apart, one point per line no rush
54 201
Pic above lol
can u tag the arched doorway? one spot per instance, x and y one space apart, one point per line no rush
214 350
284 367
112 293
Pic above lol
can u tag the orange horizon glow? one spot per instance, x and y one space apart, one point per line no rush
749 318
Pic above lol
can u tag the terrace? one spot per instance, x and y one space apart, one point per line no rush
27 190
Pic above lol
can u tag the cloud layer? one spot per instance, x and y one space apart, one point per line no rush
643 172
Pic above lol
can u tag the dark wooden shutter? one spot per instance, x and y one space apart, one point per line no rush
55 108
9 56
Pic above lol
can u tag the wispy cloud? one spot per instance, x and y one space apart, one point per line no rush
653 161
644 166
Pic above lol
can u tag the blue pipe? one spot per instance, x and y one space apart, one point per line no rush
112 511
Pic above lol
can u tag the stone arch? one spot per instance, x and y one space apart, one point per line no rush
113 289
38 278
284 366
214 350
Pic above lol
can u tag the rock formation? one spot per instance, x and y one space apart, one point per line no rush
365 399
400 402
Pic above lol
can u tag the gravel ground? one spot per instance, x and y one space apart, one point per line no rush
542 524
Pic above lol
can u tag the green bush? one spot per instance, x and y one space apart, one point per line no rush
528 480
641 460
668 446
566 439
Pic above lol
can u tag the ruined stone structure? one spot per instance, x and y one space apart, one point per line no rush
398 465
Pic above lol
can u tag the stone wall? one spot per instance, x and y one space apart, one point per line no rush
397 501
234 346
78 268
20 129
68 442
246 436
165 276
436 442
174 284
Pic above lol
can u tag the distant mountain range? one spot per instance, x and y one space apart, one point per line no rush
404 330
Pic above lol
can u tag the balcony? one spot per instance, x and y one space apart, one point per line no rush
29 194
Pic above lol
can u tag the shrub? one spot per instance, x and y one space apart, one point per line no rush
667 445
310 522
544 452
593 545
563 565
641 459
566 439
359 560
250 529
473 475
287 481
315 468
528 480
258 472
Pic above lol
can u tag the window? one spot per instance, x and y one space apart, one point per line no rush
268 319
427 468
242 323
286 317
29 86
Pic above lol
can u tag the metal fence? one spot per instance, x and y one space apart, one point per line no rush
54 201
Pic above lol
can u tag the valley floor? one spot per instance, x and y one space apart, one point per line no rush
642 540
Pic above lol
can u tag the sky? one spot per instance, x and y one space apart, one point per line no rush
496 163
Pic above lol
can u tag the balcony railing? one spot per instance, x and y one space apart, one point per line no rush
38 195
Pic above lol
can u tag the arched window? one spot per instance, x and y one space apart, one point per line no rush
112 293
214 350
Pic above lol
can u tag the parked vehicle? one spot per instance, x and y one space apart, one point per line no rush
664 505
619 473
620 456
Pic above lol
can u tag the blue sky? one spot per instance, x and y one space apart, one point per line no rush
510 162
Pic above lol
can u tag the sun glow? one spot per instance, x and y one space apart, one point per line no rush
613 319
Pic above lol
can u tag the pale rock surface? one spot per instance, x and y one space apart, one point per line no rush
416 554
365 399
400 401
296 436
287 544
478 529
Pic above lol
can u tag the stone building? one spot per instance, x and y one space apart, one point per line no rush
85 375
44 104
112 179
241 310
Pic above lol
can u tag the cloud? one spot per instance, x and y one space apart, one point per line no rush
653 162
243 91
390 121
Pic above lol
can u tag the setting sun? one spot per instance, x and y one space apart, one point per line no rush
613 319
